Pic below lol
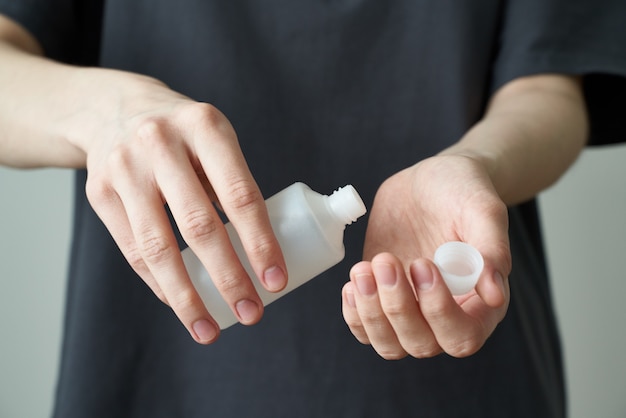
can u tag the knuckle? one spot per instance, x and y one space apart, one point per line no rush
353 323
153 136
152 130
98 191
464 347
154 248
135 258
373 319
120 159
243 195
183 299
424 350
229 286
436 311
199 225
260 248
206 112
395 310
204 115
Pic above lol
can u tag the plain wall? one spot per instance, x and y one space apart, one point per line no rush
584 218
585 235
35 215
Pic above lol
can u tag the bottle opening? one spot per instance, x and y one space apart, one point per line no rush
346 204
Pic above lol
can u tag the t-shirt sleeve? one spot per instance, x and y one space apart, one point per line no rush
578 37
68 30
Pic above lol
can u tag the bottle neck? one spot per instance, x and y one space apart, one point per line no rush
346 205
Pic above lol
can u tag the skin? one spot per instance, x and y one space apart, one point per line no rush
534 128
145 145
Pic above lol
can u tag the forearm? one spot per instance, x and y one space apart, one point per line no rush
31 107
533 131
51 113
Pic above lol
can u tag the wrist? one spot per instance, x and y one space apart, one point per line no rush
489 159
102 102
533 131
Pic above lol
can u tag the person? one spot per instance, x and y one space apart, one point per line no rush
449 118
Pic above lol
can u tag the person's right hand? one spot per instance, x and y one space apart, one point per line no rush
144 147
147 147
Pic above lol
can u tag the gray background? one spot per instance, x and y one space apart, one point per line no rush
585 237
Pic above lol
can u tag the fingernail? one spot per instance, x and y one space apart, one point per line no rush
386 274
365 284
275 278
205 330
247 311
422 275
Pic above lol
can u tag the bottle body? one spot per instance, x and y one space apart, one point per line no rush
310 233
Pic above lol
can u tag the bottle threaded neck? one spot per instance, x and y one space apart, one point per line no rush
346 204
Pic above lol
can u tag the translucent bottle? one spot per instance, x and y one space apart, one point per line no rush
309 227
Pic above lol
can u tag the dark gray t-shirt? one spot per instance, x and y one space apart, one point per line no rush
328 93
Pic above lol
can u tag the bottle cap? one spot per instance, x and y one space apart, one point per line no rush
346 204
460 265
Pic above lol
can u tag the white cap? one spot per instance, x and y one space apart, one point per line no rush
460 265
346 204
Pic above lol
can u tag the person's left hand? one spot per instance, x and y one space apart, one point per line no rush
397 301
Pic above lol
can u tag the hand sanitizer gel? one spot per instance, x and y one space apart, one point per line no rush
309 227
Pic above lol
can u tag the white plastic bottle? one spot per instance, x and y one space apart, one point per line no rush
309 227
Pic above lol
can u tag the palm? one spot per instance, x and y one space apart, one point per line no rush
438 200
395 300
